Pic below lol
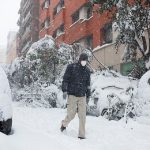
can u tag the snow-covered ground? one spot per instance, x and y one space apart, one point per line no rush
39 129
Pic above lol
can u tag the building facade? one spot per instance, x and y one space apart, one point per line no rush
11 52
28 25
73 21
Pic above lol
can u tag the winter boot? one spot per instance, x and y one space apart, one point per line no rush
81 138
62 128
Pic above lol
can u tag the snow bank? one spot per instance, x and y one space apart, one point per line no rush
4 85
39 129
5 107
44 95
144 87
5 97
144 94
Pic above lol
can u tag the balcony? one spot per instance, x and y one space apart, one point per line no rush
21 30
26 19
23 2
26 33
26 46
19 22
26 5
58 18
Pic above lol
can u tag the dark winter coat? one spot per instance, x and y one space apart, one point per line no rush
76 80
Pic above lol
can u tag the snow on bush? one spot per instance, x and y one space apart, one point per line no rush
42 45
39 96
53 95
43 65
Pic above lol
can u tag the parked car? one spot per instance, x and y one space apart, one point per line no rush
5 104
113 103
144 88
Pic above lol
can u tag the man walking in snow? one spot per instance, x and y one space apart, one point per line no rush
76 85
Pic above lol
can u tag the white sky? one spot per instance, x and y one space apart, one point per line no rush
8 18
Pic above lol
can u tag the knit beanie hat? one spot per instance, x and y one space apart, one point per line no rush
83 56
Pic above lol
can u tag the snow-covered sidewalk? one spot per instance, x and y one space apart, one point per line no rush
39 129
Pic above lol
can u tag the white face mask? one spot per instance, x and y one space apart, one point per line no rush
83 63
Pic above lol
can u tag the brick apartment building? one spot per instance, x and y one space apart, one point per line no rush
69 21
72 21
28 24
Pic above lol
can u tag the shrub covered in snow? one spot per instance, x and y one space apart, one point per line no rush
39 96
39 73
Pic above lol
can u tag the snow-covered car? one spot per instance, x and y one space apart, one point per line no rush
111 94
144 87
5 104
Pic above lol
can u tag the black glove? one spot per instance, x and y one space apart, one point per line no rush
64 95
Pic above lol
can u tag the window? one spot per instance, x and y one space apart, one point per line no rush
84 12
62 3
47 22
55 11
58 31
107 33
75 16
42 6
87 41
58 7
54 34
45 4
42 25
89 12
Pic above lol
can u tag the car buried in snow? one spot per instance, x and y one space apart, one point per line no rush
113 105
112 96
5 104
